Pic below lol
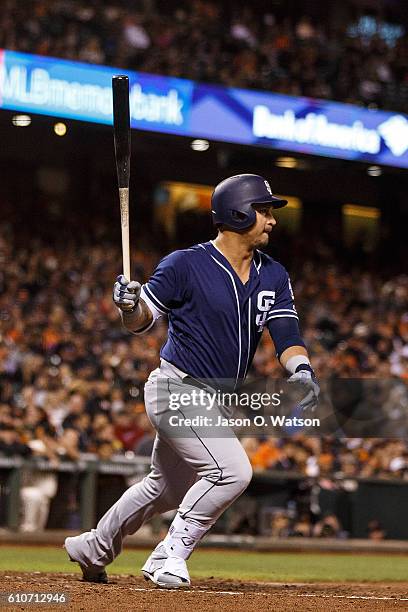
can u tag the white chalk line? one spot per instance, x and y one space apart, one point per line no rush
328 596
184 590
316 595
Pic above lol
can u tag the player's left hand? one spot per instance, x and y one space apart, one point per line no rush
126 294
308 380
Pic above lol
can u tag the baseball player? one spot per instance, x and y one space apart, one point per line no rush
218 297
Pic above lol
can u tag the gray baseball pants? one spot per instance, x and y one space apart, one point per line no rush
199 469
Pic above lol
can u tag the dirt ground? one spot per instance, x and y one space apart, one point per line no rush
129 593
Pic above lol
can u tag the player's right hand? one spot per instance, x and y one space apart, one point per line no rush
126 294
308 380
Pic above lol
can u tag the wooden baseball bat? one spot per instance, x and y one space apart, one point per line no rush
121 135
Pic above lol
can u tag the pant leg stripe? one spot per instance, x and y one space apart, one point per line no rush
216 463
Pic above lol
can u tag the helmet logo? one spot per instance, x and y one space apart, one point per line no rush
268 187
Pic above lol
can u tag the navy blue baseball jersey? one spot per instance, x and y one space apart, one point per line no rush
216 321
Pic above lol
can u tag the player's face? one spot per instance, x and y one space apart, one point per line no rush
264 224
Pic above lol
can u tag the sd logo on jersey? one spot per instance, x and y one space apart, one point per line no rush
266 299
265 304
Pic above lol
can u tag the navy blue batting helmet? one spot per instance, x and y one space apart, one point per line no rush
233 199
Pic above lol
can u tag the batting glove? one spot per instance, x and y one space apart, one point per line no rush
126 294
308 380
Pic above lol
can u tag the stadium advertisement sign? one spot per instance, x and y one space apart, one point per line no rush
303 125
75 90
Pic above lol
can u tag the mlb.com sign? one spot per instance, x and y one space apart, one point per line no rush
37 88
78 91
316 129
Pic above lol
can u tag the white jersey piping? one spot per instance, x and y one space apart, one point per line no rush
239 314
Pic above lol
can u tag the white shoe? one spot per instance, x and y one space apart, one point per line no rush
155 561
173 575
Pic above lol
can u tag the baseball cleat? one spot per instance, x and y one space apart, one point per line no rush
155 561
92 573
173 575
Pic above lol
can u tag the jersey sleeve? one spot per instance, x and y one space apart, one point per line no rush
166 288
284 305
283 320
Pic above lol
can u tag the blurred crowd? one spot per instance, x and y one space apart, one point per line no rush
328 457
71 377
284 525
362 59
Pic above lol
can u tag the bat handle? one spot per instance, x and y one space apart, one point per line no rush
124 222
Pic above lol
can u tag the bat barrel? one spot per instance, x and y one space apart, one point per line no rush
121 124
